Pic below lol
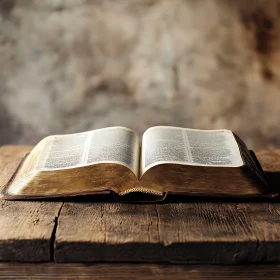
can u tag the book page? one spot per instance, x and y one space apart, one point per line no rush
116 144
108 145
189 146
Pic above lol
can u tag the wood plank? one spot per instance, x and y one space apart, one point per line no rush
27 227
223 233
10 157
191 232
270 162
103 231
138 271
207 232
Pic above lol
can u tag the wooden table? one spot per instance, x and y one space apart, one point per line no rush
90 230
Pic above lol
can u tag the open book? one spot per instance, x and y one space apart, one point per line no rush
168 160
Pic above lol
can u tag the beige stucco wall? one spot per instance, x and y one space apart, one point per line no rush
69 66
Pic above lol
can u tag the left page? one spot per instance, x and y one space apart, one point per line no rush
108 145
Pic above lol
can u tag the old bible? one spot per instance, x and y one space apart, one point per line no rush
167 160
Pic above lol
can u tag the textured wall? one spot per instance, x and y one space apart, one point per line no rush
69 66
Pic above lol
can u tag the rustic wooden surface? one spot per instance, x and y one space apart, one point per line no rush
136 271
175 232
202 232
190 231
26 227
10 157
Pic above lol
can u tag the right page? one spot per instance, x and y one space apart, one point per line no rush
165 144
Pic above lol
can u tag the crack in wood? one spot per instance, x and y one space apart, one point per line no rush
52 240
158 223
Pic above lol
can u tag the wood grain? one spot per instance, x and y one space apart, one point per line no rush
107 232
227 233
270 161
10 158
191 232
137 271
26 226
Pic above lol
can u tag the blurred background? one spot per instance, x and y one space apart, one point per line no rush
76 65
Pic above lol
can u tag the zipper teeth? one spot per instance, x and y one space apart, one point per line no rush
142 191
